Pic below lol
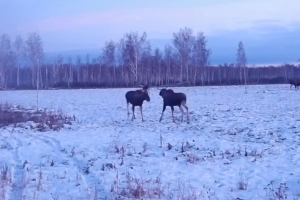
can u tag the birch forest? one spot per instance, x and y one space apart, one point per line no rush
130 62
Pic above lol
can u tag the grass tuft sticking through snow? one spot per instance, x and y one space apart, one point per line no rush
5 180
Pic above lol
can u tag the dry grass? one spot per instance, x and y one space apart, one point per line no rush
45 120
132 187
276 193
136 188
5 180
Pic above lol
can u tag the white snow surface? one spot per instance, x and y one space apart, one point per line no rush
237 146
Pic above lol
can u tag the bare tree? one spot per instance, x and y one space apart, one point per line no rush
132 51
57 65
35 53
78 65
158 66
145 63
99 64
200 56
86 69
109 57
183 41
69 72
121 58
19 48
168 58
242 61
5 59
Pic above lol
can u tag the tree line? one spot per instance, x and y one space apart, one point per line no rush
129 62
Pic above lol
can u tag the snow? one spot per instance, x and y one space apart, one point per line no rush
236 146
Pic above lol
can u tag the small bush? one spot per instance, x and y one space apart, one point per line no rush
45 120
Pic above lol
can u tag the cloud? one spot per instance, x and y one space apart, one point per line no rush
163 21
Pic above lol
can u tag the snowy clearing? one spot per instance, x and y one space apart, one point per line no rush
236 146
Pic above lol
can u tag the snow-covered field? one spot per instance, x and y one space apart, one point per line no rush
236 146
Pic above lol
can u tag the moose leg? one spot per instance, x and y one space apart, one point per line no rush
133 116
172 108
187 111
141 109
162 113
128 113
181 109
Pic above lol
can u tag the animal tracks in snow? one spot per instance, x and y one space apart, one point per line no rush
63 156
17 168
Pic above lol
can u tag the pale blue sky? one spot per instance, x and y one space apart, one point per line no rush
270 27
